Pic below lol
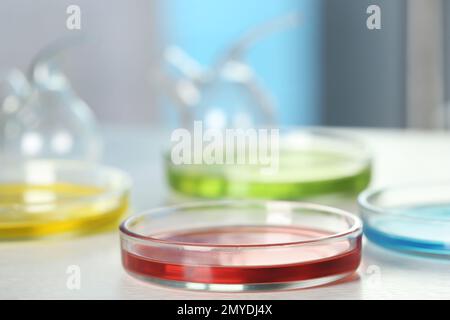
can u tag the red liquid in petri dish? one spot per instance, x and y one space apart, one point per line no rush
266 261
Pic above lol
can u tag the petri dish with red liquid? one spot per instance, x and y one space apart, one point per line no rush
242 245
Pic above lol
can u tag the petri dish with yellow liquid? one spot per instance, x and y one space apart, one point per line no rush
41 198
311 163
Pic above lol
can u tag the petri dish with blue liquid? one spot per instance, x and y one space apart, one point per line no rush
414 218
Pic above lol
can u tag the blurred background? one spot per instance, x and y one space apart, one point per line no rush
329 70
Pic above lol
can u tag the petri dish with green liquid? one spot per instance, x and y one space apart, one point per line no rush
312 163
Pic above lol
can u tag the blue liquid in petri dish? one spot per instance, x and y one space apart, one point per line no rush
424 229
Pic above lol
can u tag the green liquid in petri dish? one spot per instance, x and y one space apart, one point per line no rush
304 173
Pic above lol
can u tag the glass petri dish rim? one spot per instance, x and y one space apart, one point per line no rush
366 206
331 133
125 183
354 230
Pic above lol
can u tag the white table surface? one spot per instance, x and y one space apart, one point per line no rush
37 269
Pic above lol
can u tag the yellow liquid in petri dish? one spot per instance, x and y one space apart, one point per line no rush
28 210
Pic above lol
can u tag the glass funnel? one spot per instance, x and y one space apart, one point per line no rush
227 94
313 163
43 117
50 181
